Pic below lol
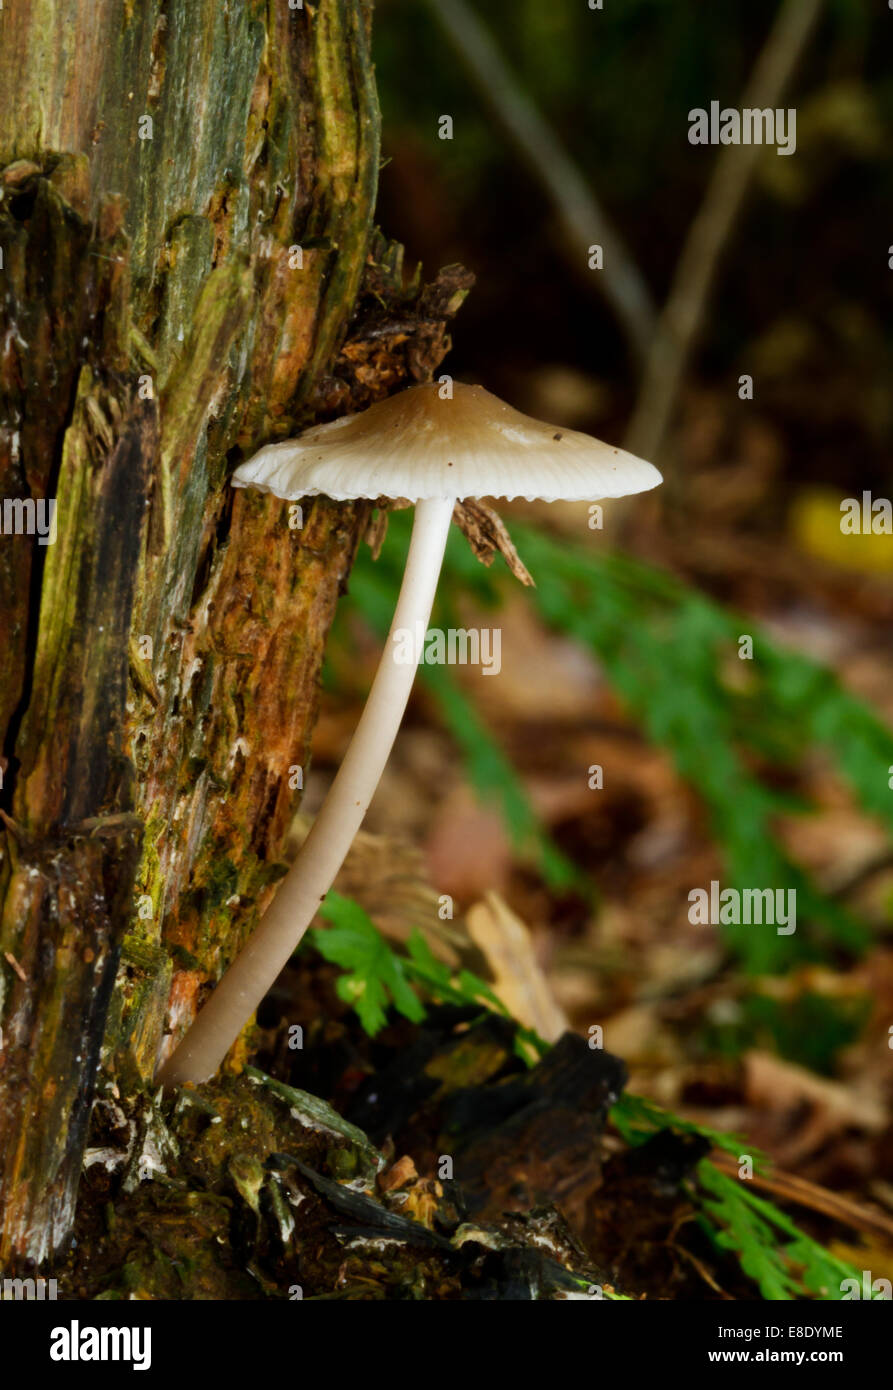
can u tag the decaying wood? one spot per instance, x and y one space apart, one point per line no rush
268 1190
188 271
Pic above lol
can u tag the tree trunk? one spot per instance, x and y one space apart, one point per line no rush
187 194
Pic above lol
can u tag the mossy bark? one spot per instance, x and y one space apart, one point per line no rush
161 164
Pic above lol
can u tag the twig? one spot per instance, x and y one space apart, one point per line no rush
583 220
682 316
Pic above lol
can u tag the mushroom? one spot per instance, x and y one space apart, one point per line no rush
432 444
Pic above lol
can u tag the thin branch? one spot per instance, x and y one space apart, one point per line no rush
583 219
682 317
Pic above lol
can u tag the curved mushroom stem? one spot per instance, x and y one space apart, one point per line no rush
310 877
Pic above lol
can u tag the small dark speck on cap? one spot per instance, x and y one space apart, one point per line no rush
556 436
450 464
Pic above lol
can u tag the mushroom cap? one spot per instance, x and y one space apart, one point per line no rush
417 445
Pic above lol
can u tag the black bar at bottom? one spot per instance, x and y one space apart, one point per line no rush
196 1340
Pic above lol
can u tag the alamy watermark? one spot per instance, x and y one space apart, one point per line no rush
29 516
750 126
773 907
84 1343
874 1290
28 1290
866 516
454 646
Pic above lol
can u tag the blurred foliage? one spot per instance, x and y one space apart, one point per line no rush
587 71
781 1259
814 524
672 653
728 724
495 780
805 300
582 68
772 1250
809 1030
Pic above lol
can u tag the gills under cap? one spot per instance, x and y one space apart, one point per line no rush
416 445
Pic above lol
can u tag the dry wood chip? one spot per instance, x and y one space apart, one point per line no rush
517 977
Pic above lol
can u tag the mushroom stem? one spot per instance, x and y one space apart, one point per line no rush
310 877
